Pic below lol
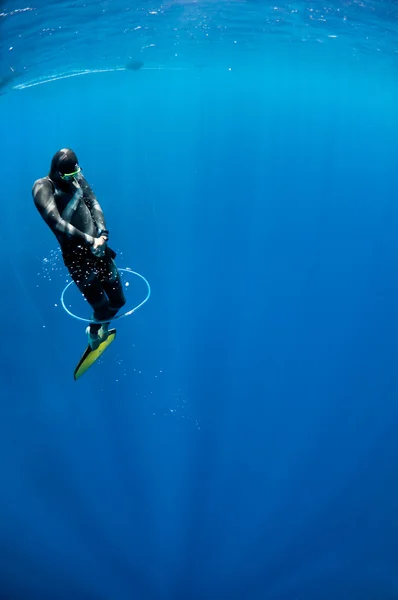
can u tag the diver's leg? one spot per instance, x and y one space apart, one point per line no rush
87 279
112 299
113 287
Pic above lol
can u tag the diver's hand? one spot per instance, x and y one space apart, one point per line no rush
98 248
100 241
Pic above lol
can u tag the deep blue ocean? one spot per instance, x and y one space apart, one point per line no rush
238 440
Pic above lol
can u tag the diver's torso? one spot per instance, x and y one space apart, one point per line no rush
81 218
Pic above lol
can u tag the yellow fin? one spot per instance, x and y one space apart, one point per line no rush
90 356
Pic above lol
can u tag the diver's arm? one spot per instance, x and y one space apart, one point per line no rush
72 204
94 207
45 203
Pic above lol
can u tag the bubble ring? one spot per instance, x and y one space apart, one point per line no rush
126 314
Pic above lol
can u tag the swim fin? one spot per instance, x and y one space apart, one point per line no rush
90 356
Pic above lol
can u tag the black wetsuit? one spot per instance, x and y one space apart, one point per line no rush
96 277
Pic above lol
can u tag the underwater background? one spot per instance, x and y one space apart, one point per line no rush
239 438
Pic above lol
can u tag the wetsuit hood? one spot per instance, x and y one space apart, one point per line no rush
63 162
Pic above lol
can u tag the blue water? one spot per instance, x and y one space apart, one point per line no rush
238 440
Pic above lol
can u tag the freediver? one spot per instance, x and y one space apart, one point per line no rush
70 208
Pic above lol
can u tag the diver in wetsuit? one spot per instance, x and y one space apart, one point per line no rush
69 207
